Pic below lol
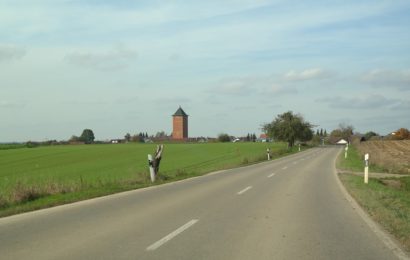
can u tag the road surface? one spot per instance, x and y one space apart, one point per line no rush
291 208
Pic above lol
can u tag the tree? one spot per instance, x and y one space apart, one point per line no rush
402 134
343 132
160 134
74 138
369 135
289 127
137 138
87 136
224 138
127 137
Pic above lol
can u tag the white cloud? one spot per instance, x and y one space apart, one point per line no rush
399 79
233 87
111 60
11 104
11 52
265 86
309 74
366 102
279 90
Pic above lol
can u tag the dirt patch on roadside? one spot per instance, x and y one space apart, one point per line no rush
395 184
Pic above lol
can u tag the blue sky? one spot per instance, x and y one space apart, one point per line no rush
126 66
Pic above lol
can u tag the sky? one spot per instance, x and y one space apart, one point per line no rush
124 66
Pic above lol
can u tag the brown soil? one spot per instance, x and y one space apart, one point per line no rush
392 155
396 184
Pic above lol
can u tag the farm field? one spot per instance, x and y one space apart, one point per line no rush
32 178
392 156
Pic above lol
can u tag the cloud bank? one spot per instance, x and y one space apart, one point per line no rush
11 52
110 60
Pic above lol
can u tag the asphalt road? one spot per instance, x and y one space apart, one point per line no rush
291 208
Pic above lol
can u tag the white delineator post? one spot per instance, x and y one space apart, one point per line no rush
299 147
151 168
268 152
347 148
366 168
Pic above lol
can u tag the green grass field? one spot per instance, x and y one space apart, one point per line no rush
46 176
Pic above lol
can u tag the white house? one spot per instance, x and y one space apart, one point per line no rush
342 141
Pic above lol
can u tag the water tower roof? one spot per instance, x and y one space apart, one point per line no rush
180 112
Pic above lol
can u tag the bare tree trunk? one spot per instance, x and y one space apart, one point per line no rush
157 158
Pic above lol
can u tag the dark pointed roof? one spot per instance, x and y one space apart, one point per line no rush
180 112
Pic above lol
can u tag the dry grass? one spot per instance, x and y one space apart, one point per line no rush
394 156
3 202
25 193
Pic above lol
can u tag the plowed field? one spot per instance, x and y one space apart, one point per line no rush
394 156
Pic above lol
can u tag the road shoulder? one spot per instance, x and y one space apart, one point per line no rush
383 235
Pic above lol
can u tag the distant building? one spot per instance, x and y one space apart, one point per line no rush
180 125
342 142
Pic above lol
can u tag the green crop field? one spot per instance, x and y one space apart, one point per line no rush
32 178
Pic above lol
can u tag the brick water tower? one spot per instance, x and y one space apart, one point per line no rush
180 125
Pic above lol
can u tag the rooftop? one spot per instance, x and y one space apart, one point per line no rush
180 112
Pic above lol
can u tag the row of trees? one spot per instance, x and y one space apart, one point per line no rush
346 132
140 137
223 137
251 137
321 133
287 127
343 132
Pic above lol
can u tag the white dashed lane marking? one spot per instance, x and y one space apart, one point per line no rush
171 235
244 190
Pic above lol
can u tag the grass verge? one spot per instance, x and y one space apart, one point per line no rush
355 162
387 204
386 200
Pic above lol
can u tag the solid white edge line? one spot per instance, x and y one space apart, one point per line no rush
273 174
245 190
171 235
